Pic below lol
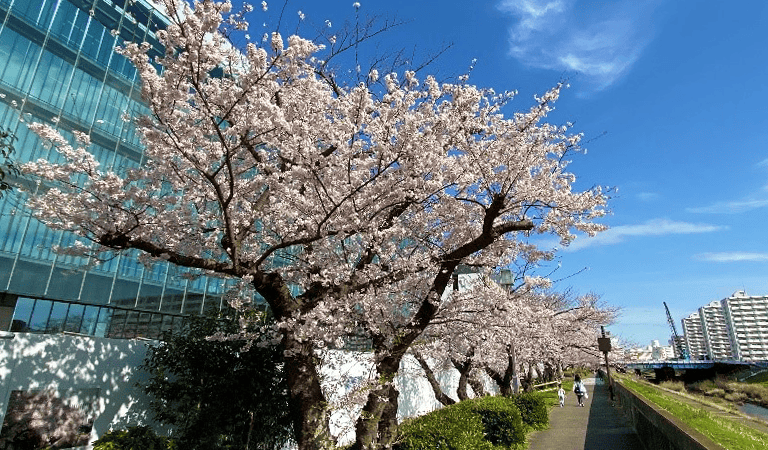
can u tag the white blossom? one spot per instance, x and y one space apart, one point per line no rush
358 201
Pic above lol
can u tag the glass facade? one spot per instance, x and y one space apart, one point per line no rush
58 65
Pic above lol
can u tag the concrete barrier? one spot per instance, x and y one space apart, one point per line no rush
658 429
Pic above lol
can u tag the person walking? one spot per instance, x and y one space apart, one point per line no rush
580 390
561 395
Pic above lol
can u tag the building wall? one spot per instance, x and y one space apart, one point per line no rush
715 329
694 336
100 376
747 317
57 66
64 367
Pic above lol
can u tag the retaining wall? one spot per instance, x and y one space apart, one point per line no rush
94 383
658 429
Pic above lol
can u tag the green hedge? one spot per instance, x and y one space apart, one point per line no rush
487 423
134 438
533 408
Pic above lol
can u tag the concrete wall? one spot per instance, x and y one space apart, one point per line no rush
658 429
97 375
100 376
346 374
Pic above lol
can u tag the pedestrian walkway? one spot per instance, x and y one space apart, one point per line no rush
596 426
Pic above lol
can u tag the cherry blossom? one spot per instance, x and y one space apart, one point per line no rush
346 209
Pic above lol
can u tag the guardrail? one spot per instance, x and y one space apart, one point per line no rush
538 386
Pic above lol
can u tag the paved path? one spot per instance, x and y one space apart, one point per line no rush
596 426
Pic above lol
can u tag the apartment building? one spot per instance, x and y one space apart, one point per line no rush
694 336
715 329
747 317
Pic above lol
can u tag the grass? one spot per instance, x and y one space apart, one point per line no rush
550 395
730 434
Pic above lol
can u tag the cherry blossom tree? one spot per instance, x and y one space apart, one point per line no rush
498 330
343 208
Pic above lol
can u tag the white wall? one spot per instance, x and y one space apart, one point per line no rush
346 373
63 364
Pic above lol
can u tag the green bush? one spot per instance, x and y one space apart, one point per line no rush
502 420
487 423
214 394
533 409
134 438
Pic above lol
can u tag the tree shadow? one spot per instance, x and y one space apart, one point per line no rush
63 390
607 427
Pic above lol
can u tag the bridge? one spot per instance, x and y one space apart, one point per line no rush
692 370
689 364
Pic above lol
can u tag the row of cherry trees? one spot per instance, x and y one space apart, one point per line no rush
486 329
367 197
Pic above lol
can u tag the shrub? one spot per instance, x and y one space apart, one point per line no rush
486 423
533 409
736 397
755 391
214 394
502 420
134 438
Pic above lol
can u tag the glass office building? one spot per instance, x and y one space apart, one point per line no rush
58 65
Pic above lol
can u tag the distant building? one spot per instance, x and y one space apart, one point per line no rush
677 344
715 329
694 336
747 317
661 352
655 352
733 328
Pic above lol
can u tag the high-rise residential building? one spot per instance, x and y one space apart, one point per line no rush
678 343
715 330
694 336
58 66
747 317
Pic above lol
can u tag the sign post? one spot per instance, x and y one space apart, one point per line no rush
604 344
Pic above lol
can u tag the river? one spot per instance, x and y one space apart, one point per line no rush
760 412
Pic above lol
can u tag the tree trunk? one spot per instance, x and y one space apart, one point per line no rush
374 429
388 422
308 404
505 387
477 385
461 390
441 396
512 361
309 408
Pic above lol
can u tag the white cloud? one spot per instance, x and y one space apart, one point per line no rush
734 207
733 257
647 196
597 40
655 227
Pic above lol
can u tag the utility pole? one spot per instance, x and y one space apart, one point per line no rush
604 344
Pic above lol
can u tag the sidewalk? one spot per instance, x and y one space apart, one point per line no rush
596 426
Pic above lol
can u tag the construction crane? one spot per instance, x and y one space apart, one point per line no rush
681 351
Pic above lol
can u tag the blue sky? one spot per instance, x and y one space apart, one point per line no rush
672 97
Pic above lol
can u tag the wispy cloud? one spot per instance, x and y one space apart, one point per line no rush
733 257
598 40
647 196
733 207
655 227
